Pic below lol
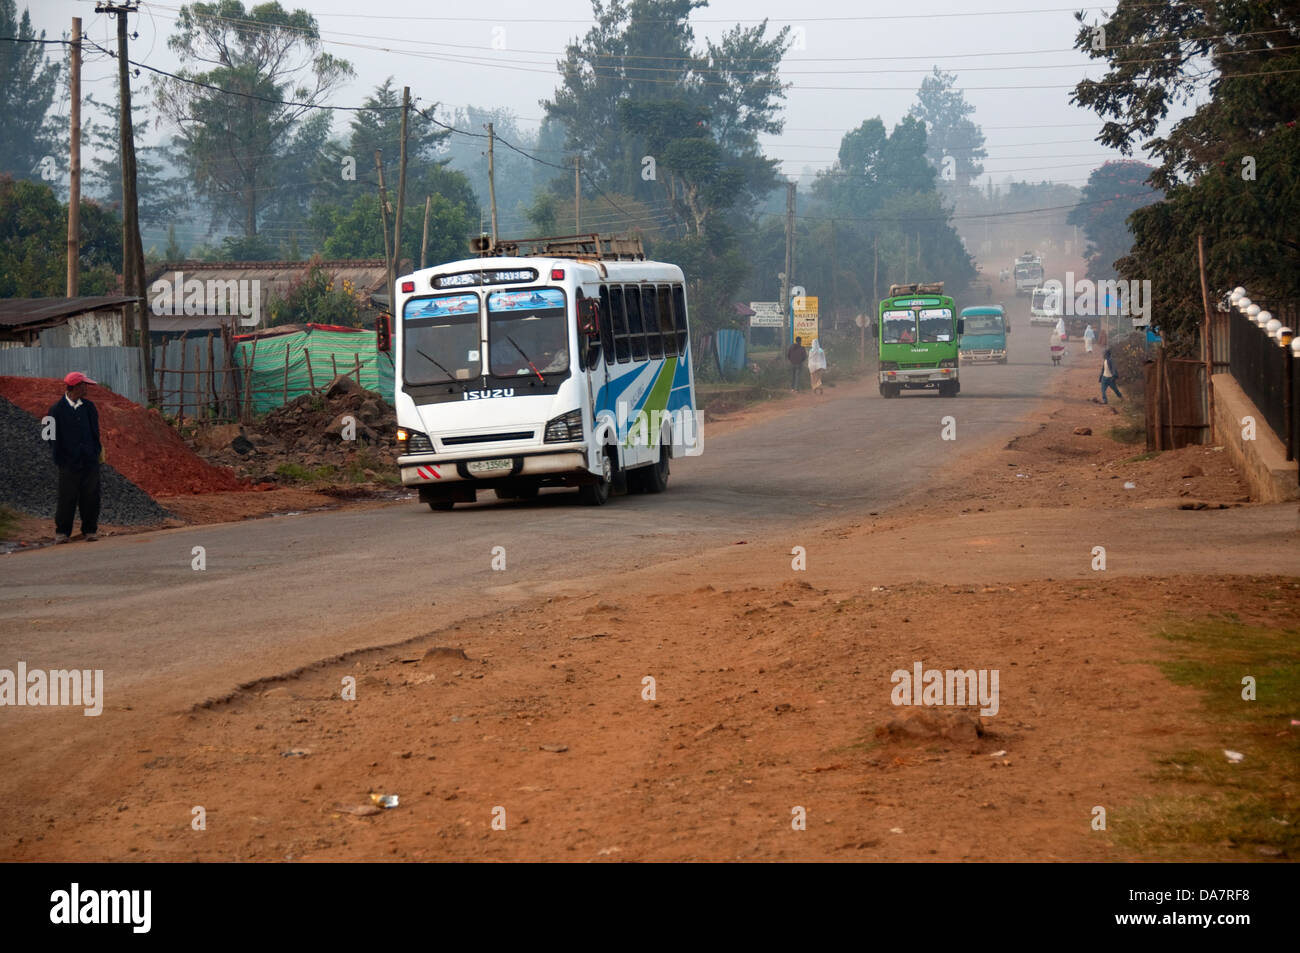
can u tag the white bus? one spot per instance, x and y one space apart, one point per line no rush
1045 307
568 364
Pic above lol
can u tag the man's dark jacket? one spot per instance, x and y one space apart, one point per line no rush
76 434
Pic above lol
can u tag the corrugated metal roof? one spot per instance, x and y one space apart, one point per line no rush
365 274
15 312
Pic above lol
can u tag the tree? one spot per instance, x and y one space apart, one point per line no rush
1160 55
356 231
237 132
950 133
882 188
1229 169
676 128
29 82
1113 192
518 178
159 195
33 242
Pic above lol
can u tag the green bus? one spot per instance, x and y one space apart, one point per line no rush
918 331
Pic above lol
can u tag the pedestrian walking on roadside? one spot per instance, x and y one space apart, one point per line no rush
1108 377
796 355
1089 336
816 364
78 454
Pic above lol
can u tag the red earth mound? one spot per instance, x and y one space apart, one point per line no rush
137 441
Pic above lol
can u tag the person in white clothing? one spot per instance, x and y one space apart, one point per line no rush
1089 336
816 364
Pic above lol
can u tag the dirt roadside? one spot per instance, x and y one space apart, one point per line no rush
770 687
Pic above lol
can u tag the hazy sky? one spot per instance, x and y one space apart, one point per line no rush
1012 58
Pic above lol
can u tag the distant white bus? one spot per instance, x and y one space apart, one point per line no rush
1045 306
567 365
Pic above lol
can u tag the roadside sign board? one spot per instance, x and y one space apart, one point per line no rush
767 314
805 320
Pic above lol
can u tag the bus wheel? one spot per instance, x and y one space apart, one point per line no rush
890 390
441 506
654 478
597 494
947 388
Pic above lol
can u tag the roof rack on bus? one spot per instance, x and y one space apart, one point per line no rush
593 245
917 287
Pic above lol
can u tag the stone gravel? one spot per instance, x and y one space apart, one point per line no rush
28 477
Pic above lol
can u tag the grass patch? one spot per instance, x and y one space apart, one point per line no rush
1149 455
297 473
8 522
1129 433
1250 805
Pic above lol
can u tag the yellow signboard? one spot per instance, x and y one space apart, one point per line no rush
805 319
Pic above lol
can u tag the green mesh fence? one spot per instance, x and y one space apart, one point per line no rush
289 365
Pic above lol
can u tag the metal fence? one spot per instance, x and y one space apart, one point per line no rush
1267 374
117 368
194 380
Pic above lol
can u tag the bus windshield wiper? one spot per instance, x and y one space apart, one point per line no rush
450 376
540 375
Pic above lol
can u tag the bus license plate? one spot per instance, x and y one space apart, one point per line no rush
489 466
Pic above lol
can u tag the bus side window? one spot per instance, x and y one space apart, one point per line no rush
666 321
588 347
650 314
618 318
679 313
606 326
635 330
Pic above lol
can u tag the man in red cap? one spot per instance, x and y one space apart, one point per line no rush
77 454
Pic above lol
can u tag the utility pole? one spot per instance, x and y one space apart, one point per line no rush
74 162
875 269
492 187
1207 334
388 249
907 255
132 248
787 325
401 189
835 284
424 242
577 194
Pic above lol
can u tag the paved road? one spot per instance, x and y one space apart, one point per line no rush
280 593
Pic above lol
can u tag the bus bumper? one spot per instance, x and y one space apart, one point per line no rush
423 469
919 376
976 355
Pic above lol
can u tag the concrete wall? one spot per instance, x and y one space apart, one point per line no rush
1262 461
94 329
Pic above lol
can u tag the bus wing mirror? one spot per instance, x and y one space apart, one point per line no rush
589 317
961 325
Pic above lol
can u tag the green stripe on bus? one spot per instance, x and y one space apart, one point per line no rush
656 403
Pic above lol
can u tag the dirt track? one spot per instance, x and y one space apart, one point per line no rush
770 686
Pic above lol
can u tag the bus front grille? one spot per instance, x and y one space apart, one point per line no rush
488 438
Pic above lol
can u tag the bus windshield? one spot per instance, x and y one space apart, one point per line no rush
983 324
899 327
936 325
440 339
528 333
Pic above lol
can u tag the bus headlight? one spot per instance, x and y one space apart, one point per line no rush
948 362
889 365
413 441
566 428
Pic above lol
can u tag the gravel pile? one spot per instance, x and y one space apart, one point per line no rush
28 477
